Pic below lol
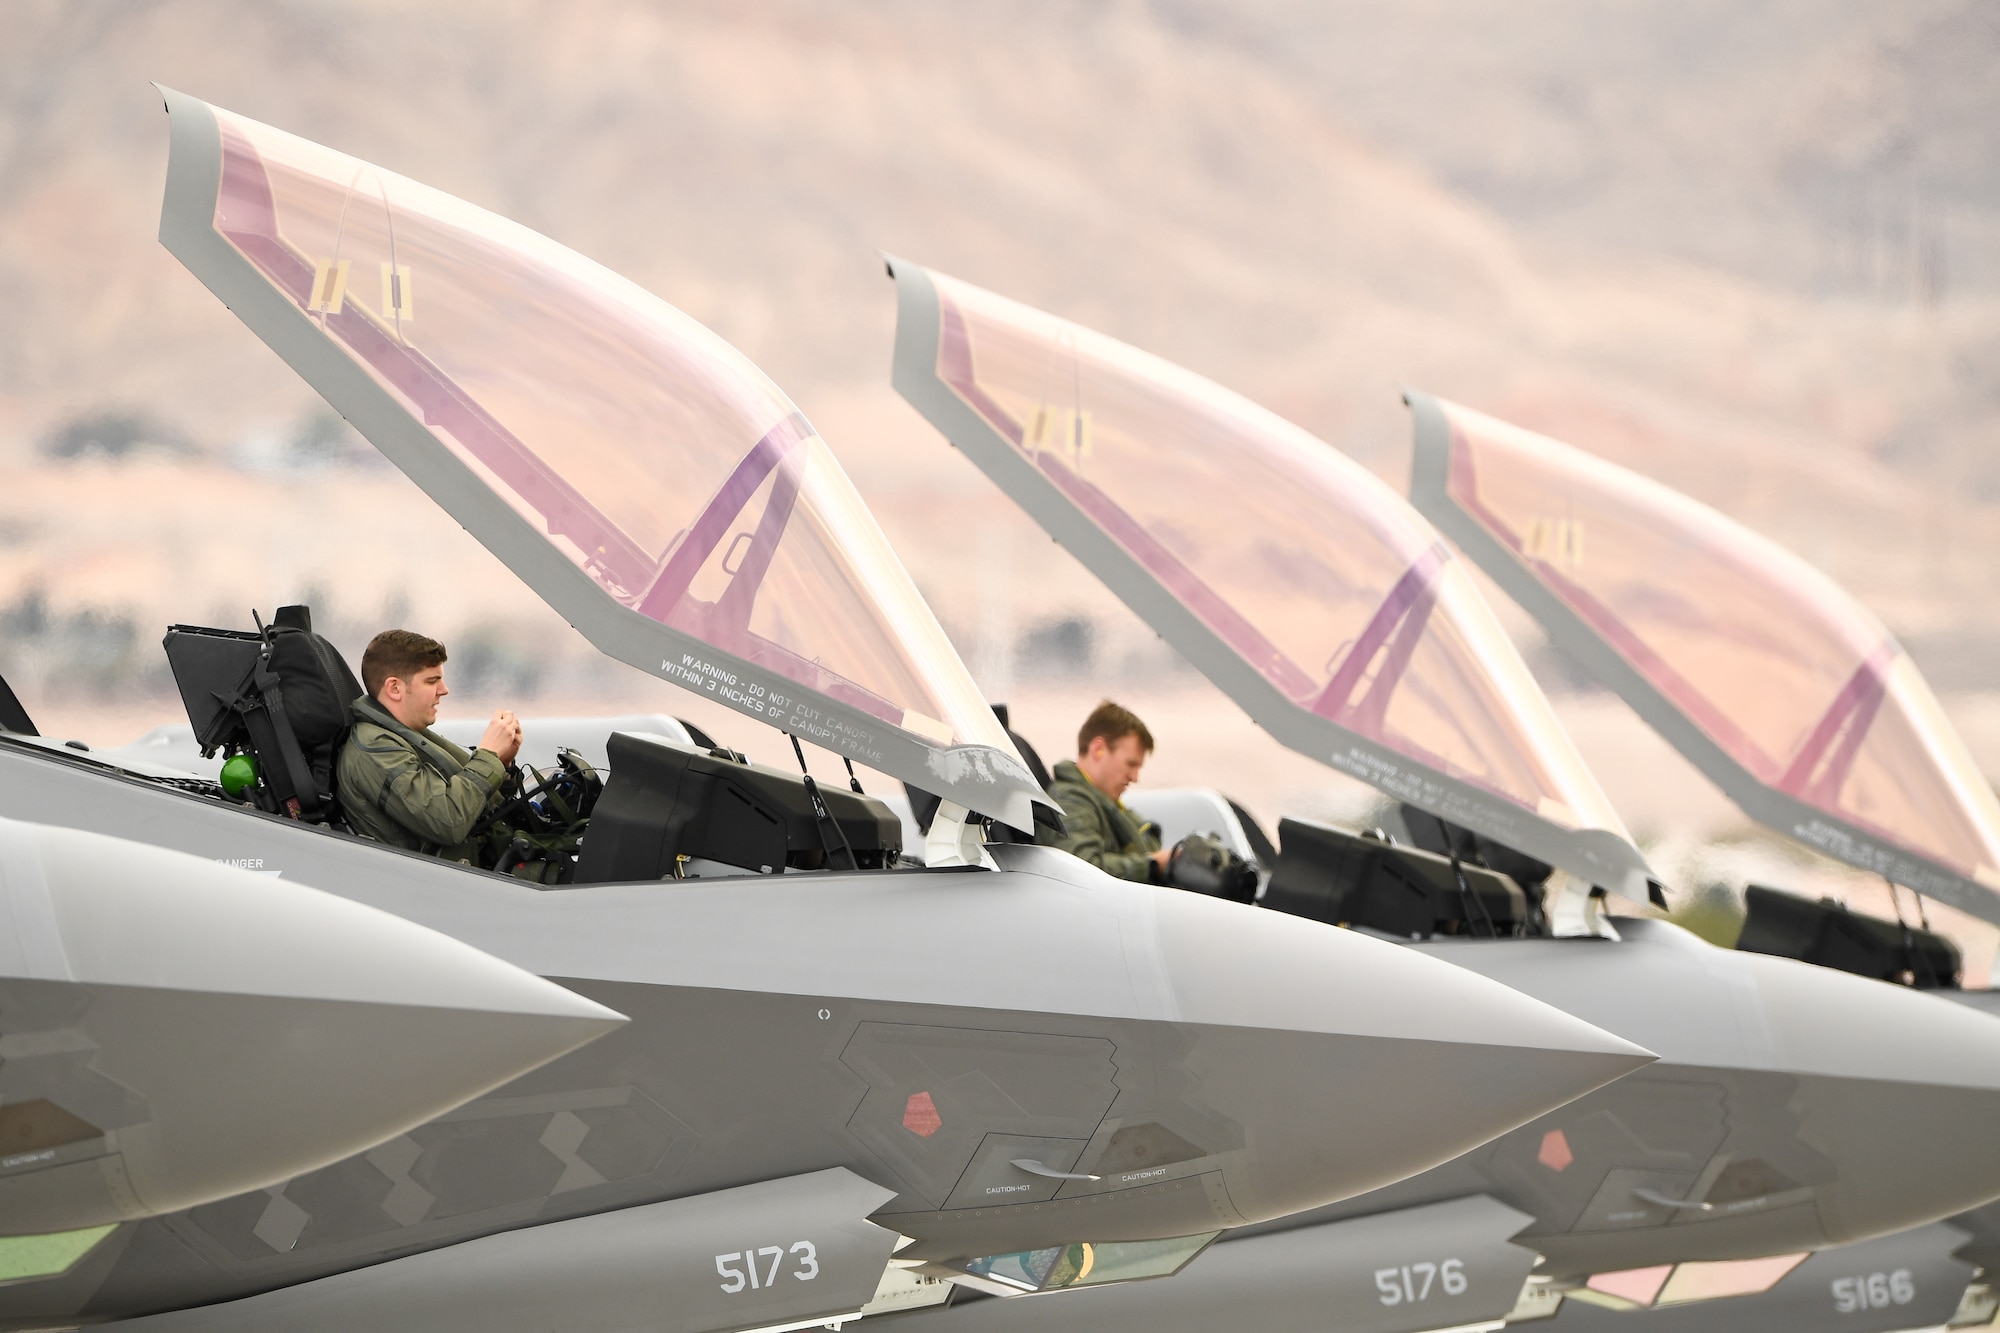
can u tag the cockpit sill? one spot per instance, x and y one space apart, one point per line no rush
1008 856
195 788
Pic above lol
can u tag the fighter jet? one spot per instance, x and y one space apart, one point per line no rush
1792 1108
1791 696
1765 674
833 1056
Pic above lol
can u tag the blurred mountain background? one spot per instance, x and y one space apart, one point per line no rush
1750 249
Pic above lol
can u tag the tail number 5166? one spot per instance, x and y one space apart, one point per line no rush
741 1267
1873 1291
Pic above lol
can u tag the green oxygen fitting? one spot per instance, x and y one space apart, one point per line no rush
239 774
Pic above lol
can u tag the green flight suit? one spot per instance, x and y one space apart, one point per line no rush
413 788
1100 830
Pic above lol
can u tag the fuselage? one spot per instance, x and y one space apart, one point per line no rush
1793 1109
924 1029
1806 1107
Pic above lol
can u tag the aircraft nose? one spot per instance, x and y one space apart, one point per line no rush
1351 1063
179 1030
1898 1090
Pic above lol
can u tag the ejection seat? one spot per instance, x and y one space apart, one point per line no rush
280 694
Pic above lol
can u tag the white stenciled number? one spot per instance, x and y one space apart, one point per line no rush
1412 1283
1873 1291
742 1267
808 1262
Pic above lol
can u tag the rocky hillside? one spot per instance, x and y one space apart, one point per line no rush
1620 224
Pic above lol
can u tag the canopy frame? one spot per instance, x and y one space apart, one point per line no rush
1596 856
980 777
1843 840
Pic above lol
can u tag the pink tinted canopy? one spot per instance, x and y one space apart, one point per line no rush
650 453
1310 569
1768 659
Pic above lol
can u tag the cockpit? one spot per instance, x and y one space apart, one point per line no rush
638 473
1331 612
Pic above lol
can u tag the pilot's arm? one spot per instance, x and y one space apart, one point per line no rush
438 809
1086 837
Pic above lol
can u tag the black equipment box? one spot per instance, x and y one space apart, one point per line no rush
211 667
1432 834
1329 874
1829 935
665 804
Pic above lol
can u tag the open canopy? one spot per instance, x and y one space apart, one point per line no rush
640 474
1299 583
1774 682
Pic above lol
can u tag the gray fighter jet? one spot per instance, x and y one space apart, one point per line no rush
1765 674
1792 1108
833 1057
1794 699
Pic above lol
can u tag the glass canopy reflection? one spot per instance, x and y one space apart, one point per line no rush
1307 568
652 455
1778 674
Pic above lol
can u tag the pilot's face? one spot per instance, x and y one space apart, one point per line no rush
1112 767
414 702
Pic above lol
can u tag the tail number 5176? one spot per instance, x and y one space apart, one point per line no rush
1411 1283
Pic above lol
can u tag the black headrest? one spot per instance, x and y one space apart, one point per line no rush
318 685
293 617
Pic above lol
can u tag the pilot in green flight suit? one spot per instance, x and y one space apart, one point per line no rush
1111 748
403 784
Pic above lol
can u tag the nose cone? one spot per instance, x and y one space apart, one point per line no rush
1898 1089
1350 1063
178 1031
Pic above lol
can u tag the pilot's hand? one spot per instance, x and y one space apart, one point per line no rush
1164 857
503 736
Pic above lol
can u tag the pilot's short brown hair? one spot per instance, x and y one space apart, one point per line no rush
400 653
1114 724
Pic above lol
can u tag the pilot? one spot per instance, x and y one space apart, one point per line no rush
403 784
1111 748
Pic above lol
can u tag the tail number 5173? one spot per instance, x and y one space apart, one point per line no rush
1411 1283
749 1270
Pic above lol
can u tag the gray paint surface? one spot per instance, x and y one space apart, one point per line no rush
1598 856
676 1265
773 1032
1810 1107
1345 1275
205 1030
1869 1131
1430 473
1820 1293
